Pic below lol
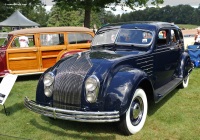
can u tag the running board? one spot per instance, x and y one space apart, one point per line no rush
167 88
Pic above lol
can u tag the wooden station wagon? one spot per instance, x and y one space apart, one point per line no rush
32 51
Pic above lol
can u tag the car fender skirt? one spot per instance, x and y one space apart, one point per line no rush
72 115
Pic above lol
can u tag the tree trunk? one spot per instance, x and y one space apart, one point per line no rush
87 17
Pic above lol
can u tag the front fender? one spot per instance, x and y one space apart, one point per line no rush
121 88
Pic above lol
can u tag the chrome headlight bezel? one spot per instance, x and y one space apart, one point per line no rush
48 79
92 85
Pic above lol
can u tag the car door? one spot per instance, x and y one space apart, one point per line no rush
51 44
25 58
167 54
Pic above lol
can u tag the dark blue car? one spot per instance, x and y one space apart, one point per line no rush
127 67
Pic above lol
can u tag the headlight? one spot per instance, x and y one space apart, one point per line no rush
48 79
92 88
48 92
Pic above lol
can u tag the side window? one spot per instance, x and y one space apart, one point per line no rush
180 35
72 38
162 38
23 41
174 36
79 38
51 39
84 38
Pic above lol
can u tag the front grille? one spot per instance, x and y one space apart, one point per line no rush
69 81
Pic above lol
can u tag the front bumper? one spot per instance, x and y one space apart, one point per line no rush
72 115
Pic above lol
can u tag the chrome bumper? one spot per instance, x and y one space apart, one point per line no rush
80 116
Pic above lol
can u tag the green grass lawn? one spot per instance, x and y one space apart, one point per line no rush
187 26
177 117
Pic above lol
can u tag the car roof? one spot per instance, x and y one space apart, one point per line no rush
50 30
135 24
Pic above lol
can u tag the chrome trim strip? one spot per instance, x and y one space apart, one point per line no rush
72 115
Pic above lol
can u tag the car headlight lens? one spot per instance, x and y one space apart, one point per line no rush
92 88
91 83
48 79
48 92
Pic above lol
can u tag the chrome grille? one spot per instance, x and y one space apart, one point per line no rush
69 81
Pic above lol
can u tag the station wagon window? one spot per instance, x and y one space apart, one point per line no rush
51 39
23 41
79 38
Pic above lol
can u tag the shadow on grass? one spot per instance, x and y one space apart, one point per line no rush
154 107
79 127
29 77
26 77
12 109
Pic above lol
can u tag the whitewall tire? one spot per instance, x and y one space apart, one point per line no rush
185 82
133 120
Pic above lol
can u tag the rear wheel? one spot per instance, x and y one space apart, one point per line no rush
185 82
133 120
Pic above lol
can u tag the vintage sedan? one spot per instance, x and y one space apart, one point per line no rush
128 66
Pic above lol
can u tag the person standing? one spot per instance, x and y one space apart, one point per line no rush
197 37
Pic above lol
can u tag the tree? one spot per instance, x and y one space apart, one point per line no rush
38 14
7 7
62 17
97 5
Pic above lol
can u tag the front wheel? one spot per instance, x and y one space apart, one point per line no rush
133 120
185 82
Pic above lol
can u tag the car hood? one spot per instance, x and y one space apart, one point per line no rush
97 62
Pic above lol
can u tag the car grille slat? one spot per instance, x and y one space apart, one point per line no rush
69 81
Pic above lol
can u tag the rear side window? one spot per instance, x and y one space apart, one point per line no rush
51 39
79 38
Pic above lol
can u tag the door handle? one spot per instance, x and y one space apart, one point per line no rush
35 50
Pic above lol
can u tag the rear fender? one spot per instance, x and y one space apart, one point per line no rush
185 66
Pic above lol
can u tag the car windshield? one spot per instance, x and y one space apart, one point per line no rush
130 37
105 37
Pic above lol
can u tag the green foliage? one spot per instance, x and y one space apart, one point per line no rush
62 17
97 5
181 14
33 10
7 7
187 26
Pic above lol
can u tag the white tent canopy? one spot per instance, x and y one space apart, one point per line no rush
18 20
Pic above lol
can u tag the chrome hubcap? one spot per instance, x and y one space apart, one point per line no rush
136 112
